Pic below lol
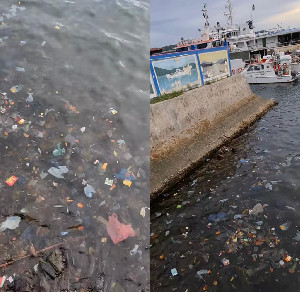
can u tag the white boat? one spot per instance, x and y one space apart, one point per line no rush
178 73
240 37
270 70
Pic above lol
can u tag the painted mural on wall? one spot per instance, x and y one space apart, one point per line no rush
176 73
214 65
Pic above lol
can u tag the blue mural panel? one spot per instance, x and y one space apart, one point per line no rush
214 65
176 73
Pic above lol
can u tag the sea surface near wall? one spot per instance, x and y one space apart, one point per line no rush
259 167
84 66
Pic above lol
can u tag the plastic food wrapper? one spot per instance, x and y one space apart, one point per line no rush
127 182
11 181
113 111
118 231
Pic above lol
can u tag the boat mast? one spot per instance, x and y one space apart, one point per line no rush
228 13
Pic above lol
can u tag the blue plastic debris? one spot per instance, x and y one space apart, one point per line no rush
174 272
218 216
58 150
21 179
124 174
64 233
89 191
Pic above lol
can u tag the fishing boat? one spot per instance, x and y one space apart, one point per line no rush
271 69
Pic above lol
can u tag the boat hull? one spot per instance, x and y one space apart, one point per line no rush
268 80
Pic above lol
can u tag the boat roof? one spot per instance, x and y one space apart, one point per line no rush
265 33
193 42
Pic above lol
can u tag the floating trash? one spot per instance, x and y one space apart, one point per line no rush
89 191
118 231
285 226
58 151
29 97
214 217
225 262
20 69
297 237
16 88
11 181
10 223
113 111
58 171
108 182
125 175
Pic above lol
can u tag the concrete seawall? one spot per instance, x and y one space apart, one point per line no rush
186 129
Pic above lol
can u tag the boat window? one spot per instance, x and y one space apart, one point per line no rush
262 66
202 46
256 68
250 68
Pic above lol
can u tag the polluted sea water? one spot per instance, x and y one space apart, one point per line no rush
74 192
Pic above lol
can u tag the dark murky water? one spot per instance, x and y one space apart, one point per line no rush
63 66
240 247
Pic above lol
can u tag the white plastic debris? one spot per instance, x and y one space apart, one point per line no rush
225 262
58 172
257 209
290 208
20 69
201 272
10 223
36 268
134 250
269 186
43 174
2 281
108 182
143 212
29 97
297 237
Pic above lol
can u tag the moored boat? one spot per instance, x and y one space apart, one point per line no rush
272 69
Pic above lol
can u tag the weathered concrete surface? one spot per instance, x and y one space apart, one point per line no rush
189 128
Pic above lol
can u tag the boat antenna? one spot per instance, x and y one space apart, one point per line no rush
205 14
228 13
206 25
253 9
